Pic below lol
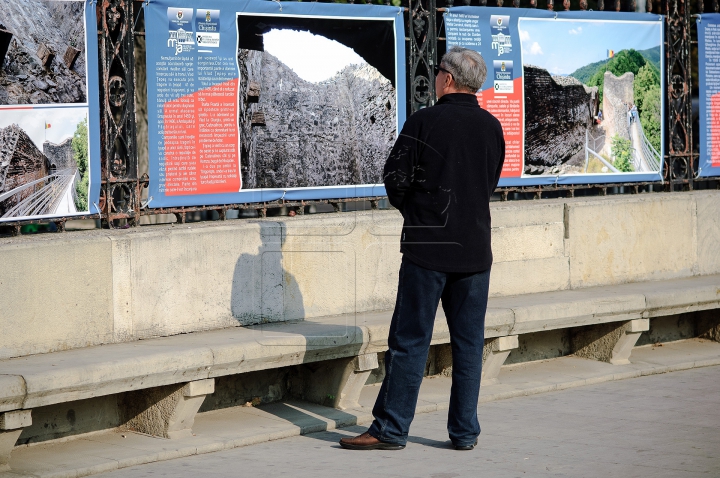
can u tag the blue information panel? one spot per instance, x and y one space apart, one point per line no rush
709 61
254 101
49 109
579 94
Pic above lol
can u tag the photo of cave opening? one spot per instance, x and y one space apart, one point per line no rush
44 166
592 96
42 52
317 100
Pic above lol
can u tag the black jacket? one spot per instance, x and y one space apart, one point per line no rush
440 174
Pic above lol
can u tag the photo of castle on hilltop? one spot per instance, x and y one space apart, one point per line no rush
312 110
42 52
40 176
602 116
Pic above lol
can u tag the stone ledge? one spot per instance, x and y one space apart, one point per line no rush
12 392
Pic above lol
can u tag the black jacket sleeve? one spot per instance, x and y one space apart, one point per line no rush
399 167
500 164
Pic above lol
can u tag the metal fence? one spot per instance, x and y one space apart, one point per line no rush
121 31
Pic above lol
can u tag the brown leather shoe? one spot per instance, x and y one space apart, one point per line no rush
368 442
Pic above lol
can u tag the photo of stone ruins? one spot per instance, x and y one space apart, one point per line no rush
42 52
52 179
296 133
604 117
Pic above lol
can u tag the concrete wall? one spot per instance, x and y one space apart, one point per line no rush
84 288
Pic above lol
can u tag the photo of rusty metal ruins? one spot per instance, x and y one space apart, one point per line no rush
42 52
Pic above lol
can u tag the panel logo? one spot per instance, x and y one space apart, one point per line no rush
180 37
503 80
500 34
207 28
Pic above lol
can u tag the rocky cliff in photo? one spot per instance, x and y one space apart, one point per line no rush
558 112
296 133
45 59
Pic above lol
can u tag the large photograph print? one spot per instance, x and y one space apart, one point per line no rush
260 101
45 118
708 26
578 94
42 51
592 96
313 112
43 162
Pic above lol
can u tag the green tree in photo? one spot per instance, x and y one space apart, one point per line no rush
650 116
646 89
646 78
80 153
621 150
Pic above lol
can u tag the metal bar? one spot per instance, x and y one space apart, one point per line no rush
679 164
117 90
422 31
602 160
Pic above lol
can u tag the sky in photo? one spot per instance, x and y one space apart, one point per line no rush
563 46
313 57
63 122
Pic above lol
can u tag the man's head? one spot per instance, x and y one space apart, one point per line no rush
460 71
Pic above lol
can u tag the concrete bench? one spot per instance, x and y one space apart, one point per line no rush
168 378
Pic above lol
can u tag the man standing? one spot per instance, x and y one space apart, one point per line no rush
440 175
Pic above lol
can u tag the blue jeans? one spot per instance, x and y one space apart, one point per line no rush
464 299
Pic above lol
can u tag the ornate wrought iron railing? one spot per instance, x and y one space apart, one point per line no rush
121 24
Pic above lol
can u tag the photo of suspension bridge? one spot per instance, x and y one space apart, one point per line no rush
592 95
43 162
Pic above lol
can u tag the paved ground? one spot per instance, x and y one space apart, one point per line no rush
656 426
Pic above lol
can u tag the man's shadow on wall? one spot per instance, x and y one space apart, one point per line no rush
263 292
268 298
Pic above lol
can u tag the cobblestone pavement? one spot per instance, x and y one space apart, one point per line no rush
658 426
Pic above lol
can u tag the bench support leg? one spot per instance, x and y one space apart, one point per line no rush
183 417
335 383
708 323
167 412
495 353
11 426
610 343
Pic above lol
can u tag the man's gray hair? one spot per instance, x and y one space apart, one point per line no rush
467 67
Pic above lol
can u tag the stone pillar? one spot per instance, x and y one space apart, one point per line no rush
335 383
611 342
708 324
46 55
70 56
167 412
11 426
495 353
